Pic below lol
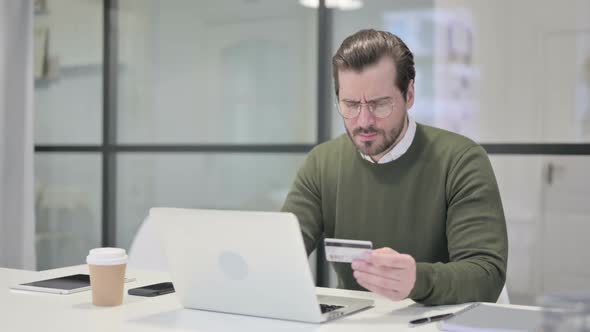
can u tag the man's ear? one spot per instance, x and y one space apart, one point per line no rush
410 95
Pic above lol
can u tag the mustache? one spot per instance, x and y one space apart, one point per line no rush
370 130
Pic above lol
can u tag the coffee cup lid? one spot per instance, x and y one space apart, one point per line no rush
107 256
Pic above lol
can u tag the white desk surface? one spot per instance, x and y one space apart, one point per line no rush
31 311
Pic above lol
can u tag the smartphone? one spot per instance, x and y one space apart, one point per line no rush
152 290
62 285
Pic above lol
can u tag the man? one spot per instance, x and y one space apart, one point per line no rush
427 198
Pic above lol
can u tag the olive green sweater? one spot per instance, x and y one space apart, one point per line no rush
439 203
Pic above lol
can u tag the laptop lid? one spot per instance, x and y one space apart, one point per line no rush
241 262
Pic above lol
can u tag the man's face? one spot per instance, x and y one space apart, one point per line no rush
375 136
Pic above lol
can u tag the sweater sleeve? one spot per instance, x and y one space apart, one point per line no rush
476 237
304 200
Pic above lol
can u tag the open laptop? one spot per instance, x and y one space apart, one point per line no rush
249 263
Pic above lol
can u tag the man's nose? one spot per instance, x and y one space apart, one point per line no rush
366 118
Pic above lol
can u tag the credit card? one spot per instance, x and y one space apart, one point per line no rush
345 251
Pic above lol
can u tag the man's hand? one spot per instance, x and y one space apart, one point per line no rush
387 273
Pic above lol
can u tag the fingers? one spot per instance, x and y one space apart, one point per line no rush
382 281
388 257
388 293
383 271
387 273
392 260
385 250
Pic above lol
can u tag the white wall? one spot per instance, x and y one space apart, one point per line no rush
17 228
527 51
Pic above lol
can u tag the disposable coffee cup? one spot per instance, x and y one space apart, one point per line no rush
107 275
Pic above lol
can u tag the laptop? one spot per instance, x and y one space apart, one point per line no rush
244 262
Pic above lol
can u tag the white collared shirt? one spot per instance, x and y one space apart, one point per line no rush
400 148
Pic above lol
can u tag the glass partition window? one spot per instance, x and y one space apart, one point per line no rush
68 71
189 72
67 208
217 72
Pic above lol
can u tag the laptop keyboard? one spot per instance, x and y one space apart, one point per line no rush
327 307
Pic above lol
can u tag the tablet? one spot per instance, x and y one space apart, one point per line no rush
62 285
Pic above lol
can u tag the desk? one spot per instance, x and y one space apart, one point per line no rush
30 311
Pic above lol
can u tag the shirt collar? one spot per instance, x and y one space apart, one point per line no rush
400 148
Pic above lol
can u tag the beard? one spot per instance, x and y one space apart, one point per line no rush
376 146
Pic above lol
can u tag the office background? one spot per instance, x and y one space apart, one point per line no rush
215 104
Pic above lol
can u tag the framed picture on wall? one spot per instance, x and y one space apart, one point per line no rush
41 48
40 7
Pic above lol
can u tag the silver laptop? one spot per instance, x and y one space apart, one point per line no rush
249 263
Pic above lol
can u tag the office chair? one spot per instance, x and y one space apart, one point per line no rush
503 298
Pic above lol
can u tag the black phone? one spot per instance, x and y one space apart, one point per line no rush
152 290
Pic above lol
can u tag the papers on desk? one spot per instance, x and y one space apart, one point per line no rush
487 317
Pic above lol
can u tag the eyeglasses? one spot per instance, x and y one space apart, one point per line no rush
352 109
